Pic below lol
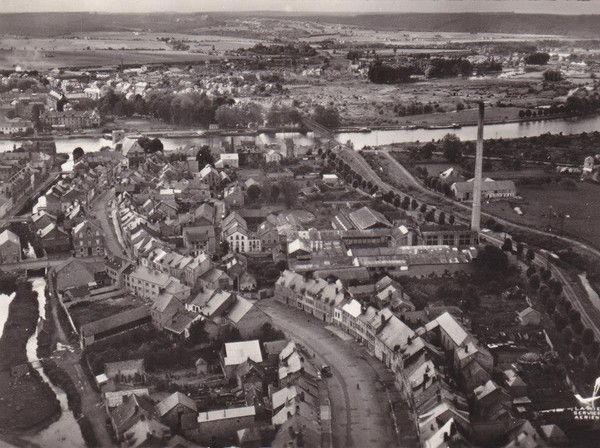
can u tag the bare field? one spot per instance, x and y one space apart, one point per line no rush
109 48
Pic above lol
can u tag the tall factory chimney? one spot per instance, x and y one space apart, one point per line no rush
476 213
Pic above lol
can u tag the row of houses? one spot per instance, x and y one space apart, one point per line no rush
444 373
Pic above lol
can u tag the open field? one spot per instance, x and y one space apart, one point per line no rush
111 48
365 104
540 204
34 61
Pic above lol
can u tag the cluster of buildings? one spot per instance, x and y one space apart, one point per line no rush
444 373
66 98
491 189
281 401
62 222
20 173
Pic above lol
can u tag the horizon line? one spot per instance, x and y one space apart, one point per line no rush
311 13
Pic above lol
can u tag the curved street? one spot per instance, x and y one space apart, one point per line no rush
361 417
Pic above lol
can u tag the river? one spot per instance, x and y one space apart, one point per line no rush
359 140
64 432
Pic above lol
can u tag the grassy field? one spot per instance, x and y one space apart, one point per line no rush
27 401
540 204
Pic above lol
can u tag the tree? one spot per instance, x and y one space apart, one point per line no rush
197 333
78 153
553 75
574 316
544 293
575 349
430 216
534 282
545 274
557 288
567 334
150 145
406 203
530 271
423 208
382 73
414 204
587 337
155 145
397 201
442 218
205 157
537 58
520 249
253 193
290 193
507 246
451 219
452 148
530 255
491 262
326 116
559 321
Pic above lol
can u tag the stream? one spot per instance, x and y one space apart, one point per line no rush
64 432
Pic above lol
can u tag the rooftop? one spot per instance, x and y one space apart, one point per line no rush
224 414
238 352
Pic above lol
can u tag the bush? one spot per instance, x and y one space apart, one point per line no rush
551 75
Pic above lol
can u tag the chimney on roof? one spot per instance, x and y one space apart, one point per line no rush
476 212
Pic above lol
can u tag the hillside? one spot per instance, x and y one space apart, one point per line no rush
576 26
56 24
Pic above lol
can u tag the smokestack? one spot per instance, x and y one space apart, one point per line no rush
476 213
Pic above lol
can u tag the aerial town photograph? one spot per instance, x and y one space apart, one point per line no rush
300 224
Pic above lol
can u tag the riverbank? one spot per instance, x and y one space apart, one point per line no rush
432 121
28 403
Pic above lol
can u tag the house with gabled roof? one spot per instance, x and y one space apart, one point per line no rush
88 239
136 423
54 239
210 177
172 408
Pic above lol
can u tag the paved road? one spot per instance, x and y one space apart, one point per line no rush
102 212
361 417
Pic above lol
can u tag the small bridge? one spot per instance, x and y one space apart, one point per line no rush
36 263
41 263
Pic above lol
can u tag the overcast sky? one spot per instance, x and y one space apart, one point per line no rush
542 6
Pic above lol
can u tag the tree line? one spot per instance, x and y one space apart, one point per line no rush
193 108
386 73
